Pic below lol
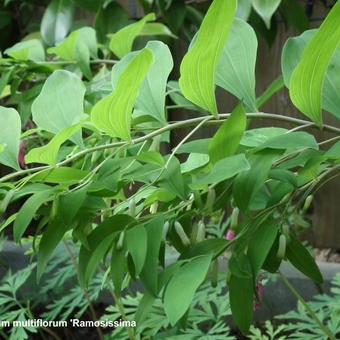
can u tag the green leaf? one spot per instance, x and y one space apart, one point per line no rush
196 146
224 169
151 98
194 161
100 240
308 78
247 183
118 268
10 136
182 286
241 294
172 179
136 242
48 153
236 70
57 21
60 103
79 46
199 65
261 243
227 138
27 50
112 114
291 141
291 55
60 175
149 274
69 205
302 260
28 210
243 9
156 28
121 42
266 9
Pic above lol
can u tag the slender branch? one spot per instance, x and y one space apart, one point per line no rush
168 127
310 311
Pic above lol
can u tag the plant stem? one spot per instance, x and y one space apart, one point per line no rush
323 327
168 127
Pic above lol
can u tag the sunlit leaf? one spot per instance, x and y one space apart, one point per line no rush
198 67
121 42
27 50
113 113
266 9
308 78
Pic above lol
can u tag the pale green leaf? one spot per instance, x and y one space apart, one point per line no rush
60 103
182 286
243 9
266 9
27 50
121 42
156 28
48 153
307 81
57 21
236 70
194 161
198 67
10 136
291 55
112 114
151 98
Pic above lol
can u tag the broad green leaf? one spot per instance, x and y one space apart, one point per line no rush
79 46
151 98
194 161
121 42
227 138
302 260
10 136
215 246
182 286
113 113
291 141
224 169
172 179
57 21
199 65
60 103
118 268
136 243
241 294
239 265
149 274
27 50
68 207
261 243
100 240
48 153
151 157
266 9
236 70
28 210
59 175
247 183
156 28
291 55
196 146
257 137
308 78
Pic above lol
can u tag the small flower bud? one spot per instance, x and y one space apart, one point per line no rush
181 233
281 251
120 242
132 207
200 232
230 235
165 230
234 218
153 208
307 203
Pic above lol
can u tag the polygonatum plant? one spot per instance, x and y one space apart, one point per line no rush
88 153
